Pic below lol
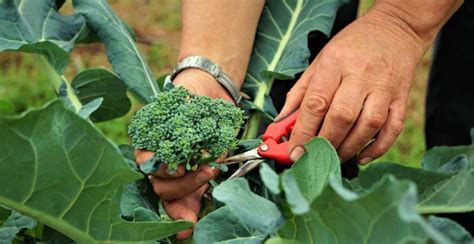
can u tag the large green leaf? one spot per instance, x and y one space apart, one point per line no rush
314 168
224 226
281 44
454 194
67 175
295 199
442 188
252 210
122 52
37 27
385 212
95 83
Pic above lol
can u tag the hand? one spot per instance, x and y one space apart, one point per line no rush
182 192
357 88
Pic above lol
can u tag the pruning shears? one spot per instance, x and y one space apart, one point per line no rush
274 146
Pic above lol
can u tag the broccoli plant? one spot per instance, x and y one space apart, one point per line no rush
182 128
62 179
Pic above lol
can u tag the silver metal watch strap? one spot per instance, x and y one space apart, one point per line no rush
207 65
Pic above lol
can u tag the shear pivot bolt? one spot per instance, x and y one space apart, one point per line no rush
264 147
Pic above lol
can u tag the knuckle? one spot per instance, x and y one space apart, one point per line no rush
333 52
290 94
346 153
342 114
303 134
316 105
378 150
157 189
375 121
397 128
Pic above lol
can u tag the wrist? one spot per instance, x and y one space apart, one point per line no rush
420 19
201 83
397 30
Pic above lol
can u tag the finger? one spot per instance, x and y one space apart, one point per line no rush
343 111
387 135
169 189
164 174
142 156
371 119
314 106
295 96
194 202
178 210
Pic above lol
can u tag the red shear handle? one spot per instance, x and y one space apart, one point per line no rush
281 128
274 146
278 152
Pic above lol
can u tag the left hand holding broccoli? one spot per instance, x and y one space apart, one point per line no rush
207 129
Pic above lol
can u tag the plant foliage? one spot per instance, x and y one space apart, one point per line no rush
63 179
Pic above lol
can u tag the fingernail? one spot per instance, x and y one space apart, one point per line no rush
365 160
277 117
203 177
296 153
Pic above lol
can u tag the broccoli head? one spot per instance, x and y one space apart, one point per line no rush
185 129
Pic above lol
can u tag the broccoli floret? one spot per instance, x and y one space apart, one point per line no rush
185 129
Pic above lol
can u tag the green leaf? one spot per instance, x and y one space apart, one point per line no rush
100 83
268 111
135 204
224 226
122 51
314 168
245 145
453 194
442 188
13 225
451 229
66 161
270 178
37 27
295 199
424 179
278 240
252 210
90 107
281 44
385 212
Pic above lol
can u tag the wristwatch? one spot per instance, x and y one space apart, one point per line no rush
208 66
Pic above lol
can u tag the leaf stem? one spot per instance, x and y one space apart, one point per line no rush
61 85
253 125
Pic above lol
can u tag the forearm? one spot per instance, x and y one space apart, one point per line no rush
421 19
222 30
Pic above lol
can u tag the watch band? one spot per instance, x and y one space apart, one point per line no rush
207 65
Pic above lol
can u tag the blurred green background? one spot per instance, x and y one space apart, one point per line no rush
24 84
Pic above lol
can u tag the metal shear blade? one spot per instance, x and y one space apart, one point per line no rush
249 155
247 167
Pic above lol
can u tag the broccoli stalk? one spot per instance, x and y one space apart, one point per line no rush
185 129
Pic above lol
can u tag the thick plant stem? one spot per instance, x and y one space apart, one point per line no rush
251 131
60 84
253 125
